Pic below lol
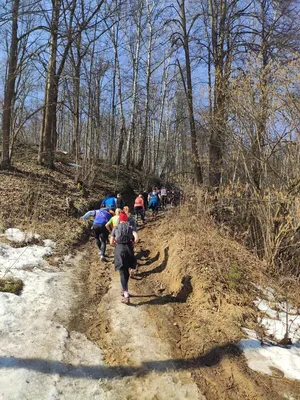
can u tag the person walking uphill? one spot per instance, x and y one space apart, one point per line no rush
113 221
109 202
124 238
153 199
120 203
139 208
101 217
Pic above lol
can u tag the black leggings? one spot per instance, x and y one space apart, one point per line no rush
139 211
163 201
124 276
101 236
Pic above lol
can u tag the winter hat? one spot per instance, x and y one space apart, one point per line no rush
123 217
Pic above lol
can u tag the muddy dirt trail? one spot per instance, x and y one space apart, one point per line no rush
144 365
148 345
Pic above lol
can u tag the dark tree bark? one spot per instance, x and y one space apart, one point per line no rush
189 93
49 133
10 89
220 14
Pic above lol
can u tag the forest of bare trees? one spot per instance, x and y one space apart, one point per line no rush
202 91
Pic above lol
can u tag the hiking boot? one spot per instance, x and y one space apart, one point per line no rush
101 258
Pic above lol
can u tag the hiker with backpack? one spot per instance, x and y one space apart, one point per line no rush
123 238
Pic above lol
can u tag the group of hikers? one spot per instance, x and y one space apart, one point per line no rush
114 218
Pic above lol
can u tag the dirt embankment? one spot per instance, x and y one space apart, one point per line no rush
198 288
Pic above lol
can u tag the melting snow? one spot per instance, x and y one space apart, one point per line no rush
15 235
263 355
39 358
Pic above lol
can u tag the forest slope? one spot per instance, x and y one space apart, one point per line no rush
193 294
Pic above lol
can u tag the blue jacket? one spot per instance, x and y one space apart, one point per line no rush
109 202
101 217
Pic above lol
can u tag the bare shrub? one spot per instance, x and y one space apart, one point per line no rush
265 222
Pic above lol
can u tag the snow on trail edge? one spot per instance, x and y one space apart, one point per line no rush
263 354
39 358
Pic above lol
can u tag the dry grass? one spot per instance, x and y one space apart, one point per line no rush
267 223
208 314
11 285
2 226
34 198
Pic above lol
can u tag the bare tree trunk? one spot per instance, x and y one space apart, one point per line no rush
10 88
259 139
220 35
47 157
113 114
53 76
76 112
134 93
162 108
145 131
217 131
189 95
120 97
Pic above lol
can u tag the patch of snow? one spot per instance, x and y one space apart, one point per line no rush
269 293
49 243
277 328
39 358
276 325
264 307
262 356
22 258
16 235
